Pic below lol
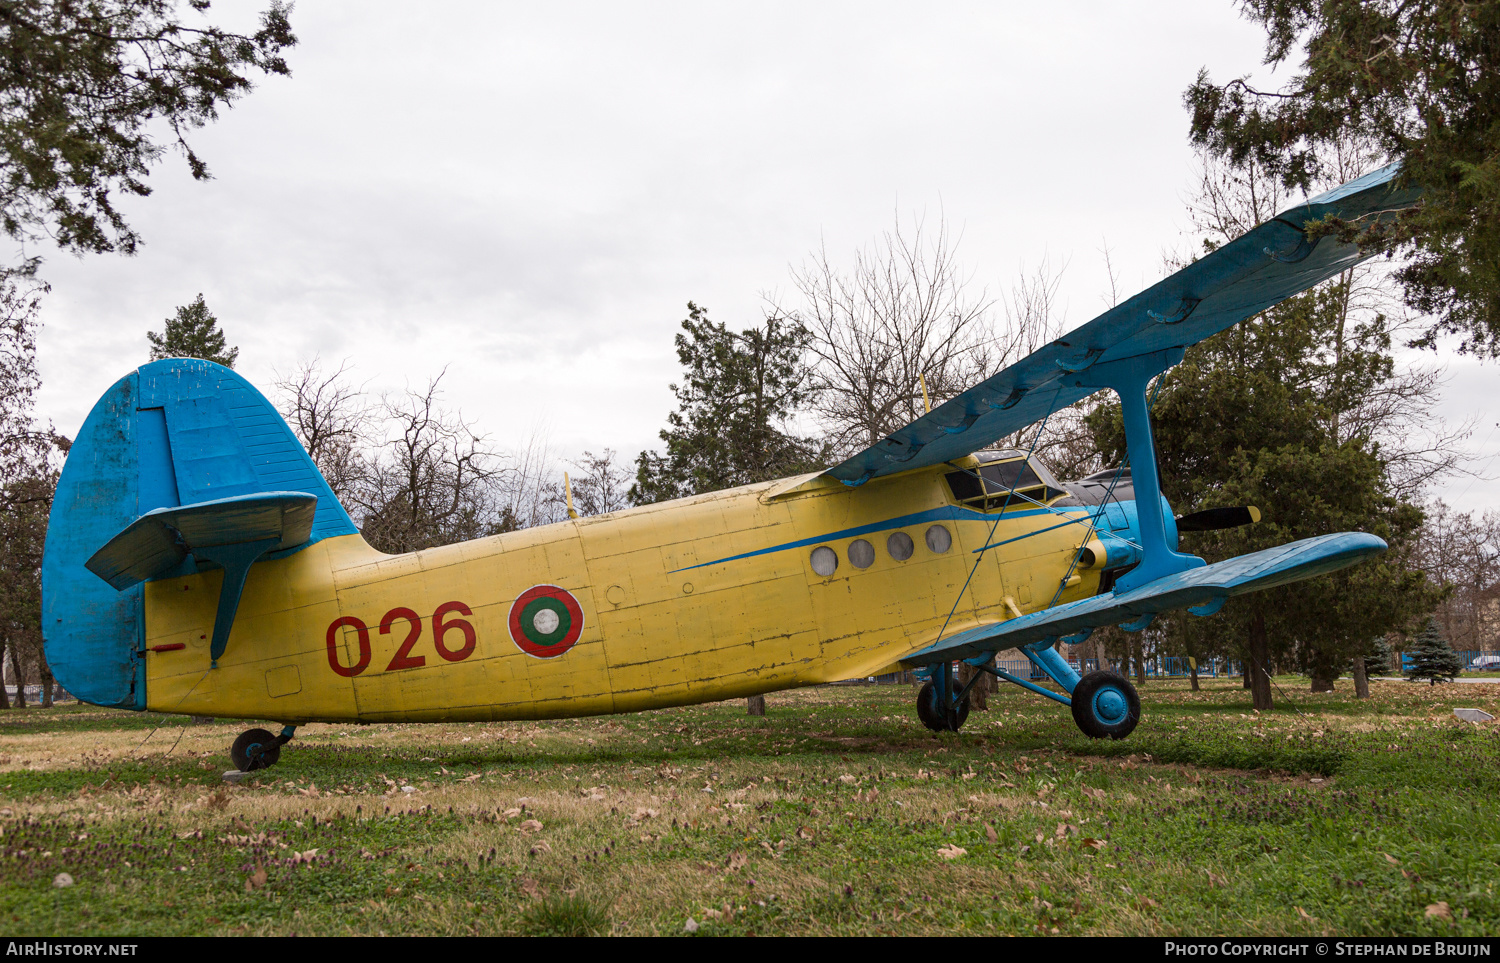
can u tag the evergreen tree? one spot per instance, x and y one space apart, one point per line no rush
1432 658
192 333
729 427
1418 82
1247 419
89 93
1378 660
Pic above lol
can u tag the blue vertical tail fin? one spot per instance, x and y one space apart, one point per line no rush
173 434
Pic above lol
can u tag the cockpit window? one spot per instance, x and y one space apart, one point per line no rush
986 486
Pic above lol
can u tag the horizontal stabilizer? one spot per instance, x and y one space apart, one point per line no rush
158 541
1208 586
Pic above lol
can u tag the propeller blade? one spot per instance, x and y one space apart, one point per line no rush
1213 519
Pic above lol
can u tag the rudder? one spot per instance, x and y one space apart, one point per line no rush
172 433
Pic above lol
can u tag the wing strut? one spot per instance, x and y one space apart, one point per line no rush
1129 378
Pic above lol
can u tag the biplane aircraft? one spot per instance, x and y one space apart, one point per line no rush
197 562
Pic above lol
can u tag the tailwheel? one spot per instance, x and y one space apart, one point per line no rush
1105 706
255 749
933 716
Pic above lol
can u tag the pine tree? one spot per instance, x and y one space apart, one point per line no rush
1432 658
92 95
1418 82
739 391
1378 662
192 333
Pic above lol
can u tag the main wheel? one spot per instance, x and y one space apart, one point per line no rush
1106 706
254 749
933 717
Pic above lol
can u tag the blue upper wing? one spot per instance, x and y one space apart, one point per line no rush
1244 277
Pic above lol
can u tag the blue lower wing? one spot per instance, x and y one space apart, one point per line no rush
1207 587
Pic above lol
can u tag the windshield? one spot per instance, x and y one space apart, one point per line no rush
987 486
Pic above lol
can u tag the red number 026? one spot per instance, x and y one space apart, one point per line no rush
444 624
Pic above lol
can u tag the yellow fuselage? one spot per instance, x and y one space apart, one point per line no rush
697 600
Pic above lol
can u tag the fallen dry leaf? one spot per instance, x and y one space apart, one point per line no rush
257 880
531 826
737 860
951 851
1438 911
989 832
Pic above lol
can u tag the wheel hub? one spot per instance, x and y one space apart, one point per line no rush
1110 706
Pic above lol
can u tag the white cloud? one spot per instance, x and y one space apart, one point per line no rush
529 195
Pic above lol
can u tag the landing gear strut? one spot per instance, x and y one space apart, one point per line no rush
934 717
258 749
1104 704
939 708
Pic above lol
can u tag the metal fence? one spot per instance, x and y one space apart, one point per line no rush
1174 667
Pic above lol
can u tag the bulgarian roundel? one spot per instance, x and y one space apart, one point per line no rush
546 621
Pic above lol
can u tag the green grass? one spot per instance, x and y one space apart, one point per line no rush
837 813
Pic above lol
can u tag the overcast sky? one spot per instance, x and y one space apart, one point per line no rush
527 195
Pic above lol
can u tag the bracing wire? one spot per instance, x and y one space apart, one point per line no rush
996 524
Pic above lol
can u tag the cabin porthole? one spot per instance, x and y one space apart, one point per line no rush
939 540
900 546
825 561
861 553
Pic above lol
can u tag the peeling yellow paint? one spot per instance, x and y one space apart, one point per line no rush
670 615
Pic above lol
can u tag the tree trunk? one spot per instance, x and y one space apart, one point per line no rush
755 705
1361 679
1138 648
1258 656
979 695
15 667
1322 677
4 696
45 671
1193 672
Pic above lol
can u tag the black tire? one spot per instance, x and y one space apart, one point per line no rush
246 761
927 709
934 718
1106 706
